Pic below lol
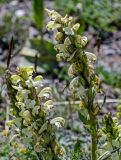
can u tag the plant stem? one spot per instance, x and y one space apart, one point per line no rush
7 115
94 137
94 147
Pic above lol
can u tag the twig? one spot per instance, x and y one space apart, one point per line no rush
98 43
10 52
8 64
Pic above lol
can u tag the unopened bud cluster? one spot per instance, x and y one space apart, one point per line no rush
71 48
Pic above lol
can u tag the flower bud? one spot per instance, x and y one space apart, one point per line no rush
75 69
5 133
115 120
84 41
59 36
67 41
97 80
22 150
27 115
25 123
60 56
27 118
61 151
76 27
71 71
37 147
80 41
70 19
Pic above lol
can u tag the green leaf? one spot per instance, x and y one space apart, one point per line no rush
31 104
83 115
2 68
30 70
43 128
38 13
17 87
15 79
76 153
17 122
38 78
26 132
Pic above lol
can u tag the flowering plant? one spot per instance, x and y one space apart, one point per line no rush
31 105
